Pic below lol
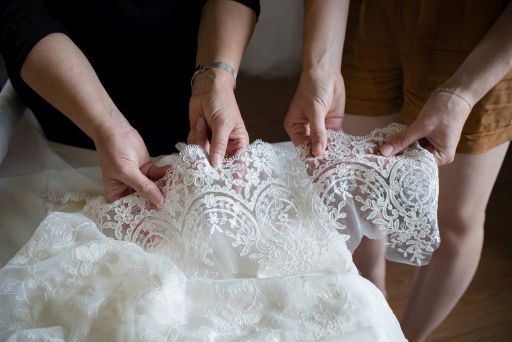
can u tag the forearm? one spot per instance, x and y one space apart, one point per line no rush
59 72
225 29
487 64
325 23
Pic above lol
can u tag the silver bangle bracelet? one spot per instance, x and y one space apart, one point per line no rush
219 65
452 92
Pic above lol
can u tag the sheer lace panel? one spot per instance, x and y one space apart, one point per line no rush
368 194
279 214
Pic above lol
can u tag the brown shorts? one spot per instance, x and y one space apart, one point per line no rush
397 52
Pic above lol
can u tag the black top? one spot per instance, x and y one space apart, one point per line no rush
142 50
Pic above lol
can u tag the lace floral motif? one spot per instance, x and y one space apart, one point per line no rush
257 209
369 194
282 213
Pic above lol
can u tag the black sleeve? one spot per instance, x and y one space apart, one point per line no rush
252 4
23 23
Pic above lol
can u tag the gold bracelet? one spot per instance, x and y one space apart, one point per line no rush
452 92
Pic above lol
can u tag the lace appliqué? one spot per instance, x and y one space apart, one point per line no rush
368 194
281 214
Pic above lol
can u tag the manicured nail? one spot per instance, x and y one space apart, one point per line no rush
386 150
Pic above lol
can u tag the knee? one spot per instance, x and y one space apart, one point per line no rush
461 224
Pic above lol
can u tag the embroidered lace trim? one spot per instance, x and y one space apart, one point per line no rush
282 213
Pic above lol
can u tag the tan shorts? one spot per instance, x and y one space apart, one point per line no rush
398 51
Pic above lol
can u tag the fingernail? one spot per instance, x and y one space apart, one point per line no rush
317 149
157 202
386 150
216 161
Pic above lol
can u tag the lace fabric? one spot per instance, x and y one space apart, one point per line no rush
71 283
274 209
258 250
367 194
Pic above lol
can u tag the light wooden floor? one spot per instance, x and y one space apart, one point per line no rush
484 313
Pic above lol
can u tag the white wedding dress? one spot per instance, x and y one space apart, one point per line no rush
258 250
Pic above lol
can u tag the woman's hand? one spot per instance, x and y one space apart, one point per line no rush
439 124
214 113
318 104
443 116
126 166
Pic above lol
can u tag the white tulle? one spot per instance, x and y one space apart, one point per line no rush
255 250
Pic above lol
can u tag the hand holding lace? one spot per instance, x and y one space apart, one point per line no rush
318 104
126 167
440 123
213 109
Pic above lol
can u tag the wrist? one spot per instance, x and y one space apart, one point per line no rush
326 68
212 78
327 63
321 71
456 94
112 123
459 89
322 76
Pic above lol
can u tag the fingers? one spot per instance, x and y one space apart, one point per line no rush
442 158
227 139
318 134
201 134
295 125
114 190
218 114
301 124
219 145
136 180
334 123
398 143
296 133
156 172
238 139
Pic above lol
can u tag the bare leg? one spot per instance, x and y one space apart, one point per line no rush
465 187
369 256
370 259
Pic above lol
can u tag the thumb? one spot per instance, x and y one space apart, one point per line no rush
399 142
144 186
220 137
